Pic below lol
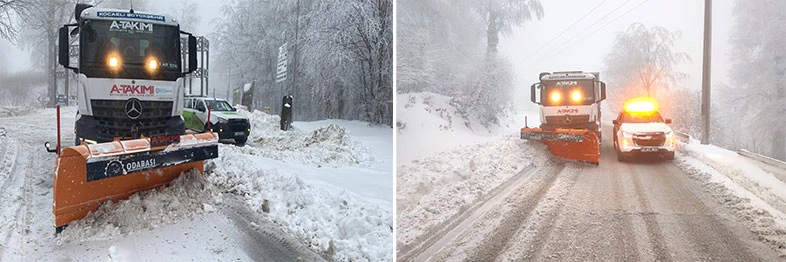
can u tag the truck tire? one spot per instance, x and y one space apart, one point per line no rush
621 157
669 155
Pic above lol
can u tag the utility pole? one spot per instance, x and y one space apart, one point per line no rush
779 143
705 76
295 51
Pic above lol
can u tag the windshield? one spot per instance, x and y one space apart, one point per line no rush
568 92
653 117
134 45
218 105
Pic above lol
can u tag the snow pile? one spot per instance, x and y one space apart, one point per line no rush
326 146
338 225
8 111
435 188
427 122
756 197
188 195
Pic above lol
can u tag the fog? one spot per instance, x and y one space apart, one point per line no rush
587 54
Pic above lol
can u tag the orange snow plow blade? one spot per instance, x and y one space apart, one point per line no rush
574 144
88 175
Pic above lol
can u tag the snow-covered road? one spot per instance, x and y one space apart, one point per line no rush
552 210
310 182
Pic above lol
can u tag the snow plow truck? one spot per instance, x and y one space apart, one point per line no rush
569 114
130 134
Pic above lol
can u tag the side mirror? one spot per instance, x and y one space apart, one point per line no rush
533 98
62 47
234 109
615 122
602 91
192 54
668 121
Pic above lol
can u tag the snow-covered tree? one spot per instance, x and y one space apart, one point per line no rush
339 55
449 47
643 62
753 101
502 16
187 16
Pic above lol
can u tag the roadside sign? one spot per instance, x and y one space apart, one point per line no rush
281 69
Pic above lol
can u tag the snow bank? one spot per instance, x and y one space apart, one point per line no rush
432 189
339 225
8 111
756 197
427 123
188 195
327 146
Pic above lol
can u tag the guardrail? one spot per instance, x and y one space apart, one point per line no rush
762 158
684 137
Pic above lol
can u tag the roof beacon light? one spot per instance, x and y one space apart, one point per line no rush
644 105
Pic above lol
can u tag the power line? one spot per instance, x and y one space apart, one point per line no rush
563 31
564 47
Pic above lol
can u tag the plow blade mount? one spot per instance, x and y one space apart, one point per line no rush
574 144
88 175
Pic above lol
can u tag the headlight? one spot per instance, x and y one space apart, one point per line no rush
113 62
152 64
575 96
669 133
627 134
555 97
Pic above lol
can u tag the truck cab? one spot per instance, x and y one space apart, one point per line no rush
569 100
130 73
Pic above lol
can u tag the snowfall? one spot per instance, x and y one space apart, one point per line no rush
446 163
322 191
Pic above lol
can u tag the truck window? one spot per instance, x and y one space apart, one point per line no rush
562 92
134 44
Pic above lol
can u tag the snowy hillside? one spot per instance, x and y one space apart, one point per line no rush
429 122
318 192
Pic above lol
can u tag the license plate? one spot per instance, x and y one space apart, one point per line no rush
240 133
649 149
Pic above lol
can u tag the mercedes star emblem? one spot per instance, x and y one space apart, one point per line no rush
133 108
567 120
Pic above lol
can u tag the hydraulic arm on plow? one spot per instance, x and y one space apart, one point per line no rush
129 130
569 114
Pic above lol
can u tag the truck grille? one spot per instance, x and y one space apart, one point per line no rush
649 139
568 121
112 121
238 124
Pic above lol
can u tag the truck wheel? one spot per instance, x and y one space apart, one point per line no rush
670 155
621 157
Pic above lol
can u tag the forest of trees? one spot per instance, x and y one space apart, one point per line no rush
340 55
749 110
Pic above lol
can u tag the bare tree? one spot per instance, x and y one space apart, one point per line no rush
40 36
10 10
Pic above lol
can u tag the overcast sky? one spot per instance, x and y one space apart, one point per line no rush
588 54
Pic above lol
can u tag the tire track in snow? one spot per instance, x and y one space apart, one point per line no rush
16 164
651 223
462 221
